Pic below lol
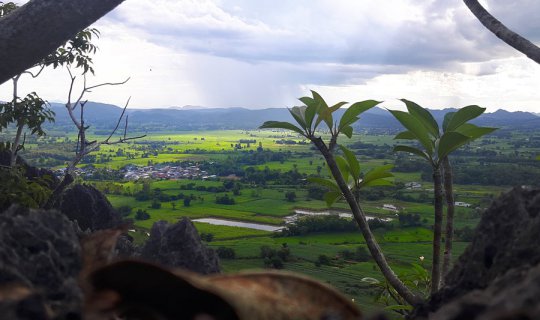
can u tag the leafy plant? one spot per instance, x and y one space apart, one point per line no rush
16 188
308 118
435 145
416 278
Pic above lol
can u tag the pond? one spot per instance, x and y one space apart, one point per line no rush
241 224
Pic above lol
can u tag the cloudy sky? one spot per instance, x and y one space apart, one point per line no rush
267 53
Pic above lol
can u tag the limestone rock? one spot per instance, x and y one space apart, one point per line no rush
89 207
40 250
179 245
504 253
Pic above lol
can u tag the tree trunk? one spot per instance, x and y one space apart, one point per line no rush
437 230
55 196
360 218
15 145
502 32
39 27
450 206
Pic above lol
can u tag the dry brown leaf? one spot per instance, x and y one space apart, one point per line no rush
147 289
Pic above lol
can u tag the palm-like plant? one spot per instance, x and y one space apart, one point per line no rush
436 145
308 117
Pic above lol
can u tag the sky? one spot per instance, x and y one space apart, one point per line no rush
268 53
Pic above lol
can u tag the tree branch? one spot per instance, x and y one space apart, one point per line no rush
39 27
502 32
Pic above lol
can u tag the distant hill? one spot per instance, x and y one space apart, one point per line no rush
104 116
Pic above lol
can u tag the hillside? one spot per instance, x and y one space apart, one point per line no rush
104 116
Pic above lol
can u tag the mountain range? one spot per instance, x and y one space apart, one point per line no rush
105 116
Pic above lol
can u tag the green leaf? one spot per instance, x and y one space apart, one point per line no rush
343 167
331 197
449 142
463 115
281 125
310 113
538 157
317 97
446 121
415 127
353 163
298 114
377 175
413 150
424 116
330 184
347 130
473 131
352 113
406 135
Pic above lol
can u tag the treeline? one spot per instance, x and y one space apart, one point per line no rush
331 223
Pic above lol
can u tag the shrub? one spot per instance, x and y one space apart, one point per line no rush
142 215
226 253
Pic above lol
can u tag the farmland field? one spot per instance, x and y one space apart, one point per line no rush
261 177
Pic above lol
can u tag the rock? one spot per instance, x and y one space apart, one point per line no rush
179 245
89 207
40 250
502 257
125 248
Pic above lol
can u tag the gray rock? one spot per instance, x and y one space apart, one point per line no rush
89 207
180 246
503 256
40 250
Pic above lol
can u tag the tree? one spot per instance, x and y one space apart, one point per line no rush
309 116
502 32
187 201
290 196
40 26
435 148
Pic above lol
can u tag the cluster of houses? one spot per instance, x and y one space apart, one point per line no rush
166 172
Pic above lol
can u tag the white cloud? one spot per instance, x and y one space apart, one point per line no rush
267 53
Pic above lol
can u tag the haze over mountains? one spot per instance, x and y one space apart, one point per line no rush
104 116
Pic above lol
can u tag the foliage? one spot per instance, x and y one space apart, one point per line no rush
417 278
225 199
142 215
313 224
16 188
30 111
290 196
208 237
434 144
225 253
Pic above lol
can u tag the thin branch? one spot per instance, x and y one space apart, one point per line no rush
37 74
119 120
502 32
107 84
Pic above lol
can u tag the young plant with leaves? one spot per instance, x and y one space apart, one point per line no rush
435 147
308 117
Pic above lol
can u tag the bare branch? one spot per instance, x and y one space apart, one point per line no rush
119 120
107 84
37 74
502 32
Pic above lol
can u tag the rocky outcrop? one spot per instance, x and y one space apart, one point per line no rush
89 207
39 253
179 245
498 275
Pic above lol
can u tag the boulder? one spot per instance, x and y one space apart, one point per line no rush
39 252
89 207
179 245
499 272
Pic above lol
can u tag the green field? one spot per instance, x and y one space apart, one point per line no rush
266 203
